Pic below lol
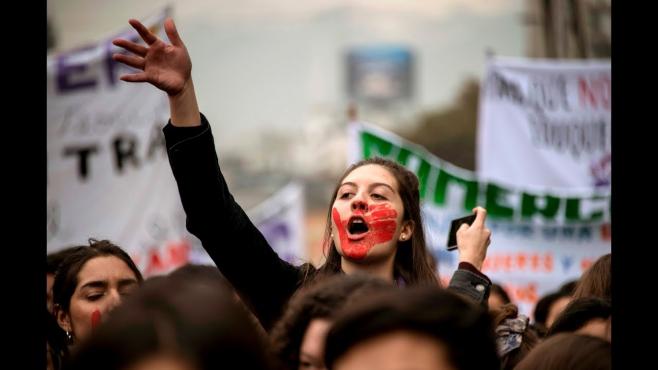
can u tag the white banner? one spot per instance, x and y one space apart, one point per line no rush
545 123
281 220
108 172
540 238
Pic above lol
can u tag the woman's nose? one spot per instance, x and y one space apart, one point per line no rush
114 301
359 205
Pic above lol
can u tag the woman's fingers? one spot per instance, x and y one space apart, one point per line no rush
172 33
135 77
144 32
131 47
480 216
135 62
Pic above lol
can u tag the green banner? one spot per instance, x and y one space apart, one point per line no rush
441 181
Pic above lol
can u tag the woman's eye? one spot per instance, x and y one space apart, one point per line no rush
94 297
345 195
378 197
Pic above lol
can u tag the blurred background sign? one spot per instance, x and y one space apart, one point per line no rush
108 173
380 74
545 123
280 218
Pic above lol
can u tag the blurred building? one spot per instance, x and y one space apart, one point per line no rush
568 29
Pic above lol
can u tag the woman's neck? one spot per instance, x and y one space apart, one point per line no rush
382 268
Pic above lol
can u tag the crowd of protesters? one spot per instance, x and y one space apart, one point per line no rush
375 302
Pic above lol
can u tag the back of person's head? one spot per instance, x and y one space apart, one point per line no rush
544 310
321 299
208 274
154 279
514 336
177 322
460 332
568 351
597 280
590 314
540 312
200 273
569 287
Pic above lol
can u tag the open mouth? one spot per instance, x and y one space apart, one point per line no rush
357 226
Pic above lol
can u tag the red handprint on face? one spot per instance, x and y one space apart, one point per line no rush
381 223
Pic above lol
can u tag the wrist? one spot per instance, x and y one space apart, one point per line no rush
473 260
183 107
181 94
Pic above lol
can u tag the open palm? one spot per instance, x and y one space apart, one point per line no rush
166 66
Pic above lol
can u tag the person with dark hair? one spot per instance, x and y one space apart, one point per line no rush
515 337
587 315
416 328
568 351
597 280
53 260
298 337
199 327
548 308
207 274
374 223
89 283
498 297
569 287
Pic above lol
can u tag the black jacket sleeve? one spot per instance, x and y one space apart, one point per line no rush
261 278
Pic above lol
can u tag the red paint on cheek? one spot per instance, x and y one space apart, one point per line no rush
95 318
381 220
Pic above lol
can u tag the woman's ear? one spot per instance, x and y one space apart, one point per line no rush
63 319
406 231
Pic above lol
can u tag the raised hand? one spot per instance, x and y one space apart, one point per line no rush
166 66
473 240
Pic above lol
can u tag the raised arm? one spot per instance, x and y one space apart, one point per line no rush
236 246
